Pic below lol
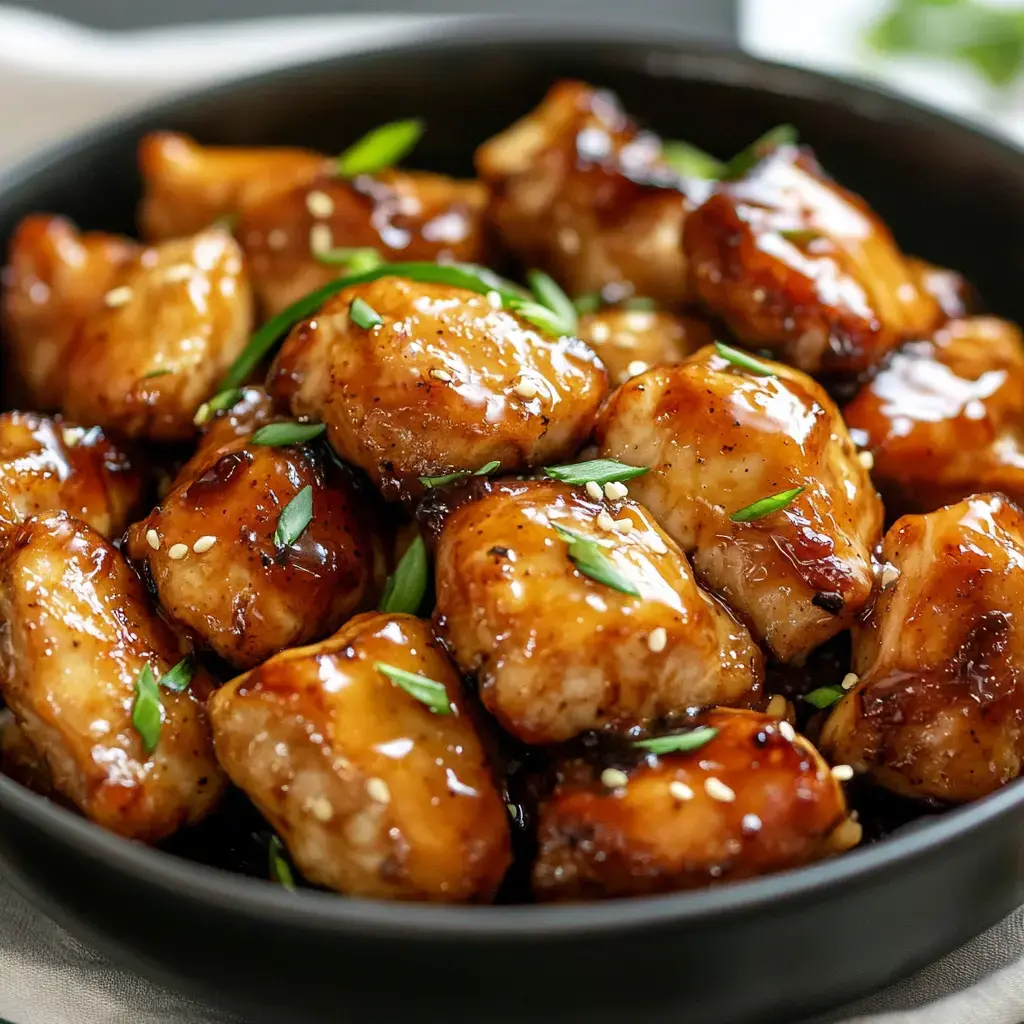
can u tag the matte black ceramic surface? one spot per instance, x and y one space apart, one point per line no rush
766 950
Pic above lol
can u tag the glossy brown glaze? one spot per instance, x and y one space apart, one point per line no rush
77 631
757 798
939 709
795 264
50 465
159 346
628 341
240 593
578 189
557 652
718 438
438 387
55 279
373 793
945 417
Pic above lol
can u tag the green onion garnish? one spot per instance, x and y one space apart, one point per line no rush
549 293
780 135
824 696
679 742
426 691
280 869
689 161
800 236
147 715
355 260
540 316
363 314
744 361
222 400
295 517
275 435
160 371
383 147
766 506
601 471
587 556
459 474
177 679
406 586
588 303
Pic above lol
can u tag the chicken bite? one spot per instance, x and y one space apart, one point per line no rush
445 382
557 649
578 189
210 551
944 418
49 465
938 711
719 438
374 792
76 635
755 798
795 264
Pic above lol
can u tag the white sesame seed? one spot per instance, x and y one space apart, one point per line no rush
377 790
759 295
718 790
850 680
624 525
441 375
202 415
890 574
494 300
680 790
636 367
787 731
594 490
204 544
178 272
321 238
615 491
842 772
613 778
70 437
153 539
600 333
657 639
320 807
177 551
606 522
319 204
526 389
568 240
277 238
866 459
118 296
776 706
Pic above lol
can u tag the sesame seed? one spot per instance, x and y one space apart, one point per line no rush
759 295
615 491
624 525
842 772
890 574
787 731
850 680
636 367
118 296
178 272
202 415
153 539
613 778
846 835
606 522
568 240
657 639
204 544
594 490
320 807
70 437
441 375
377 790
321 238
177 552
776 706
680 790
319 204
526 389
866 459
718 790
277 238
494 300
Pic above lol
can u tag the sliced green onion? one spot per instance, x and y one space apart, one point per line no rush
601 471
426 691
589 303
354 260
147 714
744 361
383 147
780 135
294 519
589 559
800 236
689 161
226 221
222 400
363 314
280 869
160 371
548 292
766 506
543 317
275 435
824 696
404 590
459 474
679 742
177 679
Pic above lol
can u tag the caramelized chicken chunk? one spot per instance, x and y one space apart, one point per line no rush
48 465
55 280
578 189
938 711
373 792
945 417
77 632
446 382
403 215
718 438
210 551
795 264
558 651
631 340
188 186
754 799
177 319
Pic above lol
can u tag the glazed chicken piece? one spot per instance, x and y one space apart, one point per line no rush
48 465
949 289
629 341
189 186
77 632
210 551
795 264
54 281
447 382
557 651
938 711
19 759
944 418
719 438
176 320
374 792
402 215
578 189
756 798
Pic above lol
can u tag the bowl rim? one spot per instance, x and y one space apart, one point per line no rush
328 912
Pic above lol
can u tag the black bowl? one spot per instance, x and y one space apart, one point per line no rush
769 949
